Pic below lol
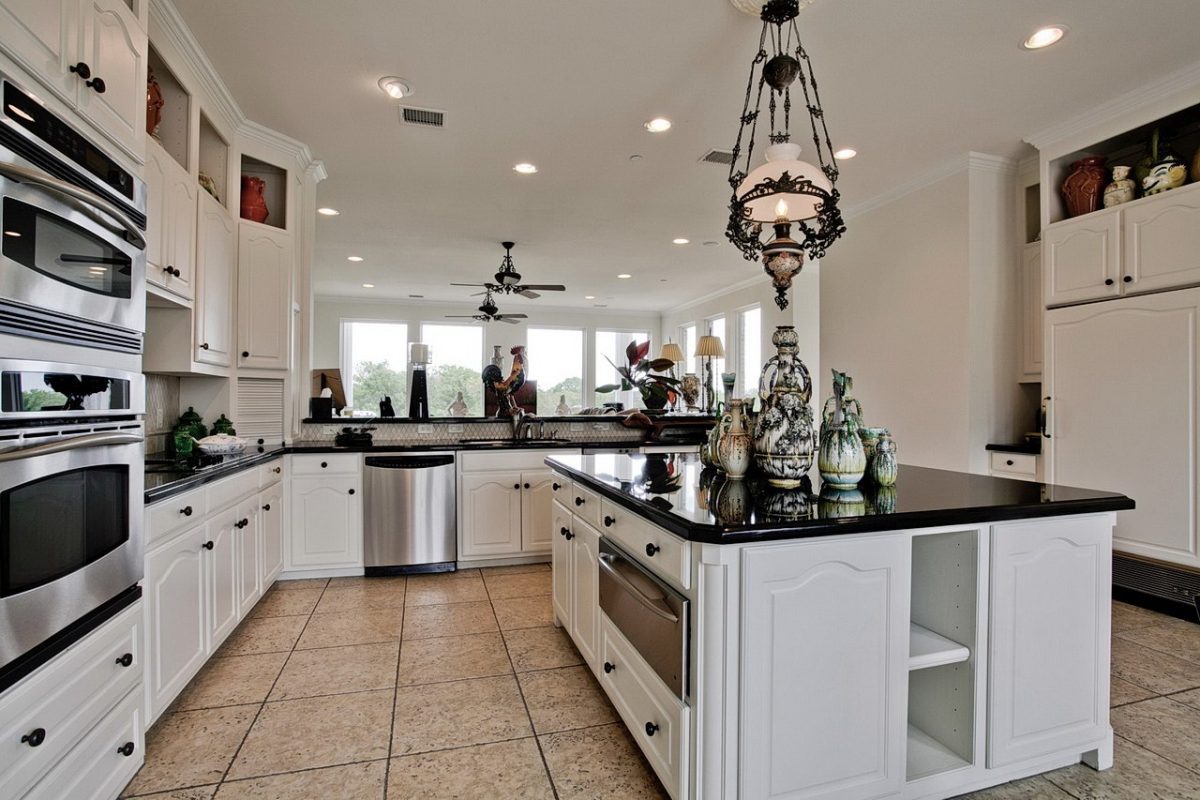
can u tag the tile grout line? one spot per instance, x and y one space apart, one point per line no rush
387 764
1155 752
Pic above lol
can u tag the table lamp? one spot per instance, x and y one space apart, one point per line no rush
673 353
708 348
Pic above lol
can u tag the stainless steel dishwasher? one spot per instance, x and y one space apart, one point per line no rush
410 513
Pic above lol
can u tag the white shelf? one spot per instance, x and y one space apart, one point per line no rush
927 756
928 649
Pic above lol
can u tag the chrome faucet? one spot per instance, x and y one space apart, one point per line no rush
520 424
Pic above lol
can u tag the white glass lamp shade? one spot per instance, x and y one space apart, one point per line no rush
710 346
672 351
781 158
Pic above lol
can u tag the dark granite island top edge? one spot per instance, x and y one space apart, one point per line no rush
756 512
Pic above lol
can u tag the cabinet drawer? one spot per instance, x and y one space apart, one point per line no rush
65 699
100 765
326 464
1019 463
174 514
665 554
227 491
562 488
270 473
586 505
508 459
656 717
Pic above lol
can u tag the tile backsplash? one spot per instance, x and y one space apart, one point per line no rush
162 410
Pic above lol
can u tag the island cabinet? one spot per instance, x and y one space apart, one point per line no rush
575 565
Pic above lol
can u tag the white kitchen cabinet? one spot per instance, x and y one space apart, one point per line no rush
1033 312
215 258
1122 378
804 664
43 36
170 222
537 496
222 575
271 524
561 554
1082 258
1162 241
249 562
505 500
1048 684
585 590
326 522
176 630
264 296
490 503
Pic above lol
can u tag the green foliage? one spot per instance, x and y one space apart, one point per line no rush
655 389
445 382
33 399
375 379
548 397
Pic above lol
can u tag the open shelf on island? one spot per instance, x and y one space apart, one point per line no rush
929 649
927 756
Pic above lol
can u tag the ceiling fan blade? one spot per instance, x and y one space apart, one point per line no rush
545 287
529 294
507 318
460 316
469 284
514 316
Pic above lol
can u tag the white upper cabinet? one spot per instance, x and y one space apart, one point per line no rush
43 36
170 223
1082 258
215 257
1033 312
264 297
1162 241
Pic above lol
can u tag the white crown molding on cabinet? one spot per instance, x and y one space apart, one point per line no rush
1119 108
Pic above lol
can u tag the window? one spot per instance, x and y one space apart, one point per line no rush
556 363
750 335
716 327
689 348
456 353
611 345
374 365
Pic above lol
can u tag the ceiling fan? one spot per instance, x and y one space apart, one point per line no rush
489 312
508 280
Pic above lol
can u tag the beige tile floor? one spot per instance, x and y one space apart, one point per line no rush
459 686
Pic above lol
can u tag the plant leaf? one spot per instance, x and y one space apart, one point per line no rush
643 350
606 388
631 352
661 364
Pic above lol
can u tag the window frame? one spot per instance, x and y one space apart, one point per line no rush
345 348
483 358
747 389
586 382
594 356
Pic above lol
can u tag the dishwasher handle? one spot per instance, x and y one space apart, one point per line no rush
409 462
612 565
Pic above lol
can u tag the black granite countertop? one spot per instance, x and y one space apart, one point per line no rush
426 447
676 493
165 478
1031 447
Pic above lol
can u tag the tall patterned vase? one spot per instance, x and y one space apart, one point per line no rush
783 433
735 449
841 459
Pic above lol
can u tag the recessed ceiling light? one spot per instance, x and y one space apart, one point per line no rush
354 258
680 240
329 212
525 168
396 88
368 286
658 125
845 153
1044 37
711 243
635 157
624 275
589 297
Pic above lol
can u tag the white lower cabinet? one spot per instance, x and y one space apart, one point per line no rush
271 534
248 537
175 588
326 522
537 493
221 571
585 590
560 564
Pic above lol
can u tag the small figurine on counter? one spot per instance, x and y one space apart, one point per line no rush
459 407
505 388
562 409
385 407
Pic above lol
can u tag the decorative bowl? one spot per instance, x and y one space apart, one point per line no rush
221 444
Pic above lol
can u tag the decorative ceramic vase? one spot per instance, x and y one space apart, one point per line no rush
841 459
883 466
735 449
732 505
841 402
1121 190
842 502
870 436
708 453
1196 166
191 420
728 379
1168 173
783 432
223 425
154 104
690 387
254 205
883 500
1081 188
783 505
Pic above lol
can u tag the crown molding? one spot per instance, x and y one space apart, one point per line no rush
736 287
990 163
1131 101
283 143
939 173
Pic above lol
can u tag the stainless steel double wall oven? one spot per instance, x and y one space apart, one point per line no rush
72 396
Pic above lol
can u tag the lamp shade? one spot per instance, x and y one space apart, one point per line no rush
672 351
784 158
710 345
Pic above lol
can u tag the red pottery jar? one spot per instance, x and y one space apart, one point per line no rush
1084 185
254 205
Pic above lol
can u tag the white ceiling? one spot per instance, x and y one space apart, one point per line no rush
567 85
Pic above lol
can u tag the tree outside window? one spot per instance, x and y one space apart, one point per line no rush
556 363
375 365
457 355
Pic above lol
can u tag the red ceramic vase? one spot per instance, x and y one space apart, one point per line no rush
254 205
1082 190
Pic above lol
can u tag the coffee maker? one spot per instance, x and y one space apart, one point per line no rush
418 390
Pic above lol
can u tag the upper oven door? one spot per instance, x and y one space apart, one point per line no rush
33 390
68 251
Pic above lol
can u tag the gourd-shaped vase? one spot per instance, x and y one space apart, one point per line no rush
783 433
841 458
735 448
883 466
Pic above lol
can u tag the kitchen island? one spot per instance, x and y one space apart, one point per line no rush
920 641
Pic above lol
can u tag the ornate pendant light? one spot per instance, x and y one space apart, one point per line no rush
784 191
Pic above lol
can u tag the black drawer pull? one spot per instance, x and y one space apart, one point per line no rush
527 486
243 522
609 522
126 660
277 470
563 531
516 486
267 507
651 729
34 737
1009 462
609 667
1128 279
651 549
81 69
204 346
324 464
97 84
126 749
556 486
351 491
1109 281
578 501
569 535
186 511
207 545
245 354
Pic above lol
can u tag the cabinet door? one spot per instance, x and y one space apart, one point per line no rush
179 251
537 496
154 173
43 36
326 527
1033 312
271 525
1082 258
222 576
176 640
114 46
824 662
561 556
1049 643
585 591
264 297
215 254
1162 241
491 514
1122 378
249 561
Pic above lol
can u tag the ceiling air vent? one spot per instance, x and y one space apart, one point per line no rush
722 157
426 117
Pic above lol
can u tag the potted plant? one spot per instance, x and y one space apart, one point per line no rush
656 390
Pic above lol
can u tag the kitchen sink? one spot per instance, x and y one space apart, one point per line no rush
509 441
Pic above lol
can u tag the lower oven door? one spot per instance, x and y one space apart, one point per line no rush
70 533
651 615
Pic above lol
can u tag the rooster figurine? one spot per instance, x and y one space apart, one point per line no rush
505 388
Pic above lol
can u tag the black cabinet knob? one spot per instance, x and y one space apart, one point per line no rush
563 531
267 507
555 486
243 522
186 511
207 545
651 729
1128 279
569 535
351 491
1009 462
260 441
204 346
609 521
578 501
277 470
651 549
1109 281
126 749
35 737
81 69
245 354
516 486
609 667
126 660
527 486
96 84
324 464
